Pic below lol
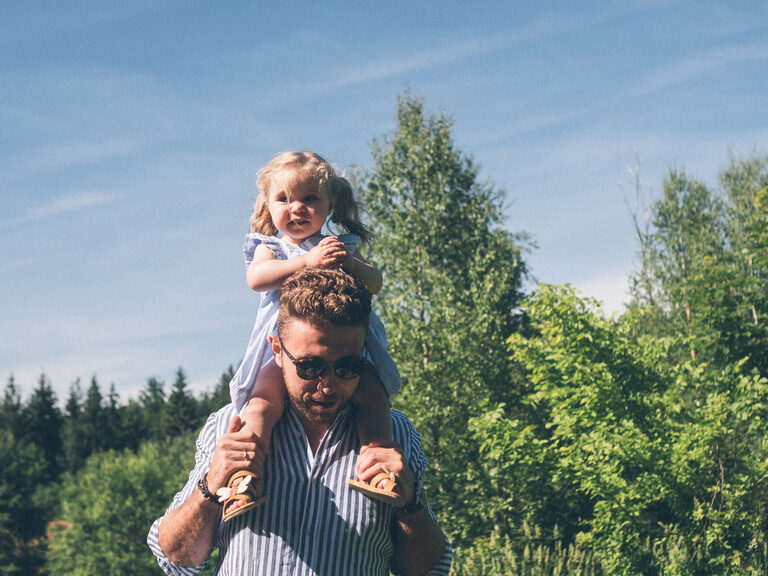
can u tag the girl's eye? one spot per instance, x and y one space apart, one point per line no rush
281 199
310 198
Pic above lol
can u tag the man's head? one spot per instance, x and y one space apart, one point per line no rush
322 325
323 298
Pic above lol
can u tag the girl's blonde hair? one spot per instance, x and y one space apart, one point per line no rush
311 167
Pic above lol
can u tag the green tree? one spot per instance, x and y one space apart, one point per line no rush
10 411
113 421
452 279
42 426
702 275
152 402
180 411
74 450
23 514
108 507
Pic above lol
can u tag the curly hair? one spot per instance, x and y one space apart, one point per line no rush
324 298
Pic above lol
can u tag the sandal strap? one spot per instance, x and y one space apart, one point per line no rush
388 484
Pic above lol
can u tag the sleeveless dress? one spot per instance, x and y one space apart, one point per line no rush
259 352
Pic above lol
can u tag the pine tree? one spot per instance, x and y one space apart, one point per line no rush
72 429
42 423
152 403
10 411
180 411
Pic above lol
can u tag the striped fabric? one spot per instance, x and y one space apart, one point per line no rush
312 522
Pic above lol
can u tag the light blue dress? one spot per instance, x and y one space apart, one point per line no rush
259 351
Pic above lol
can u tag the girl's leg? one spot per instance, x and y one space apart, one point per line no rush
374 421
265 406
260 414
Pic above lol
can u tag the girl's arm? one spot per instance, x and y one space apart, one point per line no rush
364 271
265 272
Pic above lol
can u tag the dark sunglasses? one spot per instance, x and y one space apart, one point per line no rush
313 367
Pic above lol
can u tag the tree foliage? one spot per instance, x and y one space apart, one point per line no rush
626 452
703 271
109 505
452 282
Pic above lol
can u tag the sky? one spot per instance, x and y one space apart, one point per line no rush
131 133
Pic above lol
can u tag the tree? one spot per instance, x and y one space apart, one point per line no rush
626 451
74 450
152 402
113 421
10 411
107 508
702 275
452 281
23 514
94 434
180 411
42 426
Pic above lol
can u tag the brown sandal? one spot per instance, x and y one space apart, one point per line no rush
242 493
386 494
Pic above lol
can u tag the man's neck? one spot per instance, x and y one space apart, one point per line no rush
315 431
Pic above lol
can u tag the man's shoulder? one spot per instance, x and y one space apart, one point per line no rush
403 429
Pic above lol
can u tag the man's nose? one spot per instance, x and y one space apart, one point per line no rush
327 383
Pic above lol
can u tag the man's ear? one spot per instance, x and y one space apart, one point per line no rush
274 341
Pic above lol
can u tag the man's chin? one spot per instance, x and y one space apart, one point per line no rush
317 412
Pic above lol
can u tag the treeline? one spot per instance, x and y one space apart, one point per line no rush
559 441
45 444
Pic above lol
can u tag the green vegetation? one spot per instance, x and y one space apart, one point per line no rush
561 442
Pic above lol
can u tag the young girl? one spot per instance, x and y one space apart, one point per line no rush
299 191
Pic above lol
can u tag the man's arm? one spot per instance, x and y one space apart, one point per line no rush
419 544
185 535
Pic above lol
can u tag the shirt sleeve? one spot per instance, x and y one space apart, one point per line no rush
206 443
406 435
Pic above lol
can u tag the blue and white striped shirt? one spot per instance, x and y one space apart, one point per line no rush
312 522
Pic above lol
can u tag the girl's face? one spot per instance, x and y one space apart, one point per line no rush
298 209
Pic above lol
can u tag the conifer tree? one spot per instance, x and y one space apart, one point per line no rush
10 411
72 429
42 427
180 413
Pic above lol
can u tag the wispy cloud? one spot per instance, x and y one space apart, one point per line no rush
77 201
696 66
73 202
450 51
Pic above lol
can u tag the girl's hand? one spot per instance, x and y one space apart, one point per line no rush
330 253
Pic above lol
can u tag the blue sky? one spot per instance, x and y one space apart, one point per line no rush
132 132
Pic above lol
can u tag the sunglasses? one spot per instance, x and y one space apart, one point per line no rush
313 367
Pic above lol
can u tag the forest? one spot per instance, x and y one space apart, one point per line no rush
560 441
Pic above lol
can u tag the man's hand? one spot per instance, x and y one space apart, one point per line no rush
379 454
235 450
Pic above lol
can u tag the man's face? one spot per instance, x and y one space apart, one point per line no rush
318 400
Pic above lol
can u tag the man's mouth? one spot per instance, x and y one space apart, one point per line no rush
324 403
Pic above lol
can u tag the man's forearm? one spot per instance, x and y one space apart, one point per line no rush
186 534
419 543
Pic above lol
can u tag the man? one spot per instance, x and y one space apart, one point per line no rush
311 522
